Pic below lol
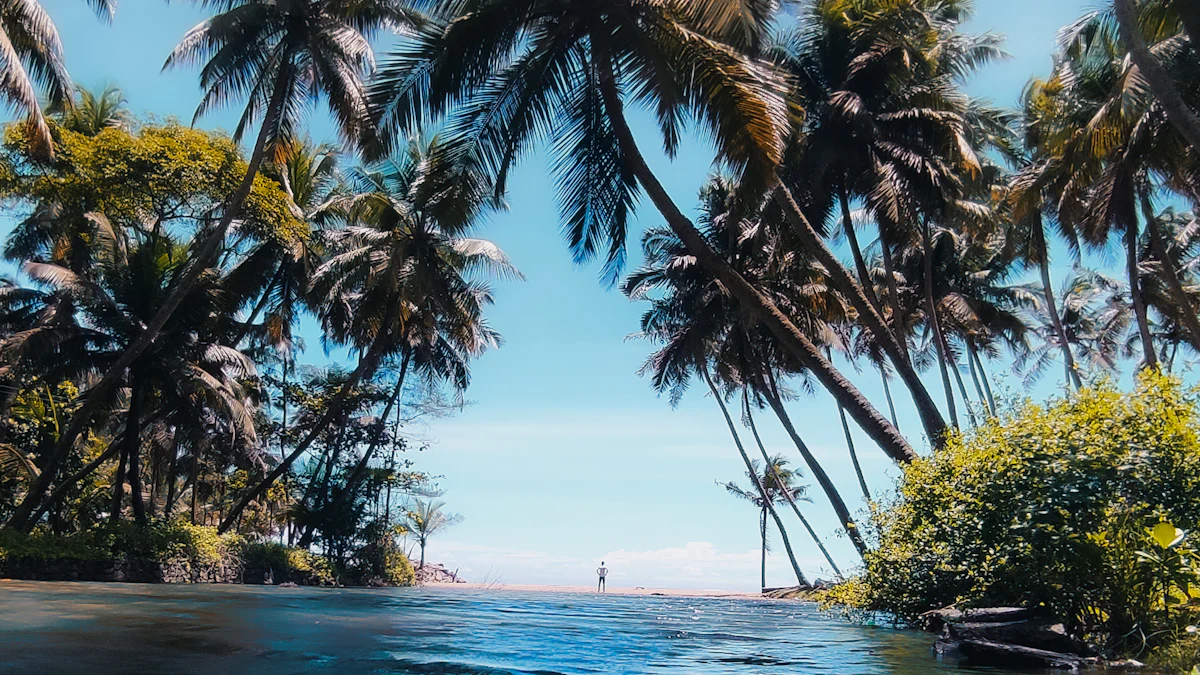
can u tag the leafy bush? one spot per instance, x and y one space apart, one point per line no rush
1050 505
286 563
42 545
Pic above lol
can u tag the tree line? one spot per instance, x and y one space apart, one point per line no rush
831 120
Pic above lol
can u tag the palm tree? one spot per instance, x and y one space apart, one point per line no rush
1159 79
425 519
694 318
94 111
403 279
1095 317
111 304
32 60
778 481
279 56
510 74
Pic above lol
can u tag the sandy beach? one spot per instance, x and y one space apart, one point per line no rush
535 588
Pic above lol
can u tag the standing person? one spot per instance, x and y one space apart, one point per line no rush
602 571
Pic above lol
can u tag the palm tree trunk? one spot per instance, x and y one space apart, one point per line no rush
258 308
862 481
943 349
366 367
118 498
203 258
768 499
860 263
962 388
790 337
771 394
133 439
791 499
1135 293
61 489
1055 319
983 396
931 417
195 480
887 393
762 530
1181 115
172 483
1186 310
360 469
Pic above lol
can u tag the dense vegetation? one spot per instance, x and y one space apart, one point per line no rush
1058 505
866 214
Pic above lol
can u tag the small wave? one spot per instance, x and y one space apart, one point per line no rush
453 668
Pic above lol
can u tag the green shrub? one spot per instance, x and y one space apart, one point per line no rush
43 545
1049 505
284 564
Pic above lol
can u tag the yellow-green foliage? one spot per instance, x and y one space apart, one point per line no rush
158 171
1049 504
398 569
286 563
42 545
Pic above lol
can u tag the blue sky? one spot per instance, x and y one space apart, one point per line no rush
566 456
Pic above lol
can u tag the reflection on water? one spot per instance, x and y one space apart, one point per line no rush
99 628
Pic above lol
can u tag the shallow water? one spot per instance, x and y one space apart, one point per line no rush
99 628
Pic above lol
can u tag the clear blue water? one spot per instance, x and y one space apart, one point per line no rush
127 628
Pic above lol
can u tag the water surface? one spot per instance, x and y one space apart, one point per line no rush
98 628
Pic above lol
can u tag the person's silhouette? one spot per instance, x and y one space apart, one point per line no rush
602 571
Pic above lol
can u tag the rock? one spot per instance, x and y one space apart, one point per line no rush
987 652
933 620
288 584
1049 637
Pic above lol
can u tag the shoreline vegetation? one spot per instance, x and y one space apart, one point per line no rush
865 218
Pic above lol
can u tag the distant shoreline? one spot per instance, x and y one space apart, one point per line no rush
584 590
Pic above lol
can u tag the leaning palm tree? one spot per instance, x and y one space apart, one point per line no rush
426 518
279 57
510 75
32 59
403 278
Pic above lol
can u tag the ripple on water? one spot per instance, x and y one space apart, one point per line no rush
56 627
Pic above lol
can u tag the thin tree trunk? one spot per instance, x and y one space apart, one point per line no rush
1186 310
931 417
1055 319
771 394
133 439
204 257
118 499
862 481
1135 293
360 469
366 367
962 389
61 489
860 263
987 400
768 499
172 481
762 529
887 393
943 349
258 308
195 480
1181 115
791 338
791 499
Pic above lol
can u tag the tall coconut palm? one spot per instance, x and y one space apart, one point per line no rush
404 272
112 302
512 75
695 315
279 57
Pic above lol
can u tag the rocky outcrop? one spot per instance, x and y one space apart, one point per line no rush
434 573
1011 637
